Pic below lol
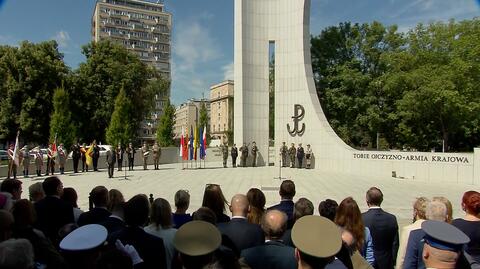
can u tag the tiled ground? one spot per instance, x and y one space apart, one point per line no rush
312 184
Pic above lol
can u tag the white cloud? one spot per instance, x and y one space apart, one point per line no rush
63 39
228 71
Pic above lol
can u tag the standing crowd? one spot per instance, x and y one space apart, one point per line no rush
50 231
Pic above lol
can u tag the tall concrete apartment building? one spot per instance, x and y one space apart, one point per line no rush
187 115
221 109
144 28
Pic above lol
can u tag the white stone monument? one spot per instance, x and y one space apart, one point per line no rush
258 23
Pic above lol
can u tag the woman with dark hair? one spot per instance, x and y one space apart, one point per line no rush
213 198
470 224
70 196
161 226
23 212
115 199
349 217
257 201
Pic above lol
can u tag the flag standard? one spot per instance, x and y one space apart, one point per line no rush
88 155
16 160
191 143
195 143
202 150
185 147
181 144
204 141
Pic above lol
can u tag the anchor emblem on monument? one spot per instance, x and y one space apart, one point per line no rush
298 114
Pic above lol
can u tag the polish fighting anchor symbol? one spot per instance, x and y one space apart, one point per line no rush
299 113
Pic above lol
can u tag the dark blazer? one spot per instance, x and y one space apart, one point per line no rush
243 234
150 248
384 229
414 251
113 224
270 255
52 214
287 207
336 264
94 216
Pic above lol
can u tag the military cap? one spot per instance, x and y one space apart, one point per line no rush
197 238
84 238
316 236
442 235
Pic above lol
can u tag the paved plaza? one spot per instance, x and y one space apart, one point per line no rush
312 184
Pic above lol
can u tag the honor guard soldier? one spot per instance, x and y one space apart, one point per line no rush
254 154
131 156
50 160
292 152
157 151
25 160
234 153
244 151
308 156
145 153
283 154
76 154
38 161
119 154
83 156
225 154
96 155
300 155
62 158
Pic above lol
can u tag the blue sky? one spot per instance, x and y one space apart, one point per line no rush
203 29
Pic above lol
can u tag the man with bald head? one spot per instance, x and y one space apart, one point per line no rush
273 254
242 233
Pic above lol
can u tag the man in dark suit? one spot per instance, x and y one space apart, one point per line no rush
287 192
303 207
52 212
98 214
150 248
115 222
384 229
242 233
273 254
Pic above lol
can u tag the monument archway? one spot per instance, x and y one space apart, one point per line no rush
298 115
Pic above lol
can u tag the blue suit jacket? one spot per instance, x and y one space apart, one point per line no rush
242 233
286 207
270 255
413 255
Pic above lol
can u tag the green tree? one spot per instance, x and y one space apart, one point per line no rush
203 121
97 82
61 125
120 129
28 76
165 127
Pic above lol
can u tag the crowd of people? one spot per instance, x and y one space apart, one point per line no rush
88 156
48 230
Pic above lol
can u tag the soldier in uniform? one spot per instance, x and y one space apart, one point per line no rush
308 156
83 151
254 154
157 151
225 154
62 158
131 156
12 167
119 155
111 158
145 153
292 151
300 155
76 154
38 161
50 160
96 155
244 151
26 160
234 153
283 154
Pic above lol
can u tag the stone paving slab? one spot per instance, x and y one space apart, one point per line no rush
312 184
